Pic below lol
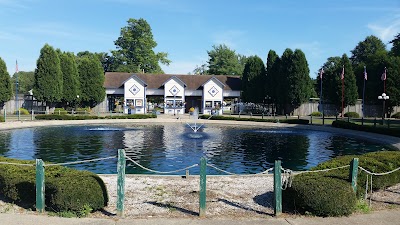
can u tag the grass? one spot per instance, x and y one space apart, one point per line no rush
362 206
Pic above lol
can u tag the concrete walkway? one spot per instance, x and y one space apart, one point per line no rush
387 217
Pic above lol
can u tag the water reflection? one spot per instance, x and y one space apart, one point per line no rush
174 146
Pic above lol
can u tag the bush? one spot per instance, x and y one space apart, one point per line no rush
60 111
2 119
132 116
316 114
65 189
65 117
352 115
22 111
320 195
380 130
396 115
291 121
86 110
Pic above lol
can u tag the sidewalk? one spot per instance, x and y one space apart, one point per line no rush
386 217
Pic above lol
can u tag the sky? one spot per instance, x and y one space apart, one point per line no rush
187 29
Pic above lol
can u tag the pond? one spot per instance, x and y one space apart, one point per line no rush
168 147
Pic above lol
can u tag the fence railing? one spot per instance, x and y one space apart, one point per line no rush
281 181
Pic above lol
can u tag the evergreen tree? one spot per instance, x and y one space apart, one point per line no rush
5 83
70 78
395 51
350 91
285 69
48 76
135 49
272 79
393 83
91 78
253 80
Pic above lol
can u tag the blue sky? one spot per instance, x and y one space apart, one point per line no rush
186 30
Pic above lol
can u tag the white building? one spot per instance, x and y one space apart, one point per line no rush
175 94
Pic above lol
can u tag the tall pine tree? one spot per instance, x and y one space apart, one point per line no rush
91 79
253 80
70 73
48 76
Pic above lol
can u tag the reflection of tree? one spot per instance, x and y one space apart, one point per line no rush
5 139
341 145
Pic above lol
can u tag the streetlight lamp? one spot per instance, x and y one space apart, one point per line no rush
383 97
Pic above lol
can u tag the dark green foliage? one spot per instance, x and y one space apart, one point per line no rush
291 121
272 71
377 162
70 78
224 61
26 81
320 195
23 111
395 51
352 115
253 80
91 78
396 115
2 119
350 86
135 49
48 85
133 116
5 83
65 189
380 130
60 111
316 114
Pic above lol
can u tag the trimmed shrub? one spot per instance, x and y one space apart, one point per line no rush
320 195
65 189
396 115
2 119
86 110
132 116
22 111
60 111
316 114
291 121
352 115
65 117
380 130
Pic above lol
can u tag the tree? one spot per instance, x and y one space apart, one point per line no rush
393 83
5 83
201 70
272 71
285 69
91 79
108 62
367 48
253 80
26 81
332 83
70 78
48 76
224 61
135 49
396 45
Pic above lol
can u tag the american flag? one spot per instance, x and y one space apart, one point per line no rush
321 72
383 77
365 72
342 77
16 66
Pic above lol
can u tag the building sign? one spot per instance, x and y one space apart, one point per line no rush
174 90
134 89
213 91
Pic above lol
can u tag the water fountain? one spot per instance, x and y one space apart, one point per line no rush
195 116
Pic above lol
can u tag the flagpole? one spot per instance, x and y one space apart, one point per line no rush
320 96
16 87
342 91
363 101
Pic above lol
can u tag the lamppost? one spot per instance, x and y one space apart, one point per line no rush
383 97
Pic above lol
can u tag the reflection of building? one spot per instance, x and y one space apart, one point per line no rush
178 92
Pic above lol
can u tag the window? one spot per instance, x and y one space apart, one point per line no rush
217 104
208 104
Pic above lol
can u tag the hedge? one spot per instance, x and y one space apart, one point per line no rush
291 121
330 193
316 114
320 195
2 119
60 111
396 115
380 130
352 115
65 189
89 117
22 111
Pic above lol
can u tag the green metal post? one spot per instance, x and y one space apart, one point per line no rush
5 114
286 116
362 121
277 188
311 119
32 115
353 173
348 119
262 116
19 115
388 122
375 122
39 185
203 182
336 117
121 182
323 118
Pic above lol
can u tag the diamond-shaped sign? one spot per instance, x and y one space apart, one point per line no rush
213 91
174 90
134 89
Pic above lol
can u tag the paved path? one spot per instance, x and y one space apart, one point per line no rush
387 217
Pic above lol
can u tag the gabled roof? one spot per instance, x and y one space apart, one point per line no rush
156 81
216 80
175 77
134 76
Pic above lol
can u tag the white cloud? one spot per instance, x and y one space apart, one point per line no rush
230 38
386 30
